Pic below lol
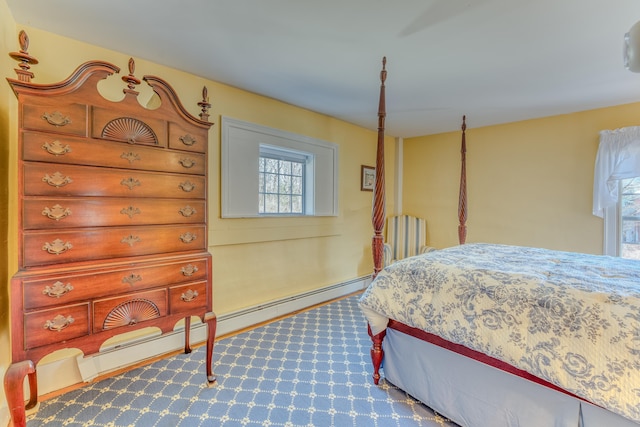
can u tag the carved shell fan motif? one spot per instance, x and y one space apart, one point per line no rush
129 130
131 312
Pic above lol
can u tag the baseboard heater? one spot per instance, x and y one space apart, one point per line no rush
127 353
247 317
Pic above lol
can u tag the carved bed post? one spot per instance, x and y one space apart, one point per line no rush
378 217
462 198
378 212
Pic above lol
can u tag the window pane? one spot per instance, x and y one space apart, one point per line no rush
285 167
271 203
296 204
630 217
271 183
260 203
261 164
285 204
296 169
285 184
271 165
296 185
631 206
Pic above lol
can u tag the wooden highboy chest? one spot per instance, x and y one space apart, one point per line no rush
112 219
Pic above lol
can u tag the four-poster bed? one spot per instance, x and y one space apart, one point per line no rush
495 335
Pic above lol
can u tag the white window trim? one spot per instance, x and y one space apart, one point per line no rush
611 244
240 149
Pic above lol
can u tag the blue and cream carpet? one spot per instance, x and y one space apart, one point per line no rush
311 369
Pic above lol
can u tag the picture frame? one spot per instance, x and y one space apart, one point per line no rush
367 178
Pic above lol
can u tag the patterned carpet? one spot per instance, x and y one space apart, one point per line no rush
311 369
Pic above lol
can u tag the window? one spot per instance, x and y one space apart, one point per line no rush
269 172
629 218
622 221
281 187
616 190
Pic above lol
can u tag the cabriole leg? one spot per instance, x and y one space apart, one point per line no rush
212 323
14 390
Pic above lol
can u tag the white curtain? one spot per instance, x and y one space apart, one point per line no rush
618 158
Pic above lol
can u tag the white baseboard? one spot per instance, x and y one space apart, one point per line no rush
67 371
4 406
131 353
4 414
247 317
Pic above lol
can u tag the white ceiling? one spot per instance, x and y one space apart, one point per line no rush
496 61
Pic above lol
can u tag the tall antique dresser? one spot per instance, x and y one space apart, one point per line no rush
112 218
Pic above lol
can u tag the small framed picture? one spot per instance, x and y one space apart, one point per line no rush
367 178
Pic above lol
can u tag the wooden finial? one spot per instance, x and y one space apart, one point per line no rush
383 73
24 58
204 104
131 80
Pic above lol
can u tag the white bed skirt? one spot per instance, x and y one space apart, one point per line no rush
473 394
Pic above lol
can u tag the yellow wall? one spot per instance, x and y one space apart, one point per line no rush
529 183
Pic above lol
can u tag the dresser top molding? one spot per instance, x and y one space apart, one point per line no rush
82 85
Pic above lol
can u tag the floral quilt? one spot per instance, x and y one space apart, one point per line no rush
572 319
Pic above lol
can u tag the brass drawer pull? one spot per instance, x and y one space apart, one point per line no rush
188 237
130 182
131 279
131 240
56 119
187 163
131 156
58 323
57 247
57 212
187 211
130 211
189 296
188 140
57 290
187 186
56 148
57 180
189 270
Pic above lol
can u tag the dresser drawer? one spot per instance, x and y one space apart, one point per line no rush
93 152
55 247
56 325
188 297
129 310
61 118
182 138
56 213
48 179
73 287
